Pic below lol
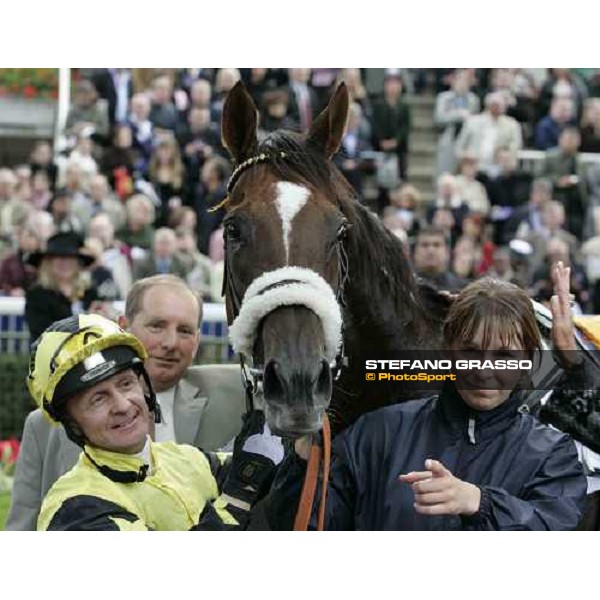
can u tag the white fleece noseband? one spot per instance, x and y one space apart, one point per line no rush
299 286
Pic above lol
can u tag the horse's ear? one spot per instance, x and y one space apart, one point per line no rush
239 122
328 128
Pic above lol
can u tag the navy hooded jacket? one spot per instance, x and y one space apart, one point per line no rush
529 474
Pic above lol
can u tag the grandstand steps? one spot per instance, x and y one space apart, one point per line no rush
423 137
423 145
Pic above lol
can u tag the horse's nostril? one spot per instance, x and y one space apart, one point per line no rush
273 382
322 387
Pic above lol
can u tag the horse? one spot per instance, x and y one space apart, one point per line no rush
314 284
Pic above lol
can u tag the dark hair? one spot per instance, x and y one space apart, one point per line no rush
221 167
432 231
497 306
62 193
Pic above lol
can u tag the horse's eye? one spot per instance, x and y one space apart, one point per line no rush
232 231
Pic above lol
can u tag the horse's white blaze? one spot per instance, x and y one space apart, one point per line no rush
290 200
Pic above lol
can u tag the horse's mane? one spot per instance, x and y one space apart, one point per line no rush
381 283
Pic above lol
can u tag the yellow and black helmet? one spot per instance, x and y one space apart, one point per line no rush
77 353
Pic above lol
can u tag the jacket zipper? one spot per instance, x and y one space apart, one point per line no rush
471 430
472 441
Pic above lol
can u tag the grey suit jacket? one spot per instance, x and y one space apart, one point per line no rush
208 408
472 135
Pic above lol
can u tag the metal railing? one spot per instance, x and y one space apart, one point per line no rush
214 346
532 161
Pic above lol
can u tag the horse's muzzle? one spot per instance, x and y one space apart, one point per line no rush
296 397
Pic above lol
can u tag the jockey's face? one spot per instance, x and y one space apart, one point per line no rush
113 414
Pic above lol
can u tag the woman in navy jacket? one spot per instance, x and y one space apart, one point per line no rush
467 459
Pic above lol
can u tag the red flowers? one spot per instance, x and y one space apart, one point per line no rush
29 91
9 450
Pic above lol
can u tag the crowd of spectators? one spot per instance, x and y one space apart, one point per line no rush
143 162
494 214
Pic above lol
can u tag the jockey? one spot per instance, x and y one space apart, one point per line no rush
467 459
88 374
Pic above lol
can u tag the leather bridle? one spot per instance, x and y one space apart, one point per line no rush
252 377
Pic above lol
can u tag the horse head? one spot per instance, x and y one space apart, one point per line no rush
285 263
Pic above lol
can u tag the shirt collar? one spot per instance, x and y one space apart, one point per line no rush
119 463
488 423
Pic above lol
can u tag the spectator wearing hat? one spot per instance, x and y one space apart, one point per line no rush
62 289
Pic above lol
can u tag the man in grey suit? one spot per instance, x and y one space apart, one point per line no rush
200 405
481 135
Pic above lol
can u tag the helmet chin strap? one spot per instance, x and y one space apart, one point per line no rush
150 396
75 434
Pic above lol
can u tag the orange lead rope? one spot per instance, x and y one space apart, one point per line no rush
319 457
